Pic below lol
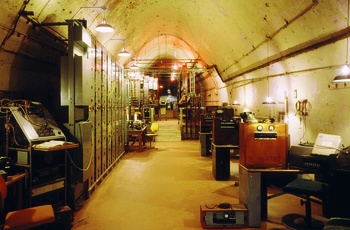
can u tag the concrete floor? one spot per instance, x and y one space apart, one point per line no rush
163 188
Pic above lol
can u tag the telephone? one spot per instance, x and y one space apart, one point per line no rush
7 165
303 107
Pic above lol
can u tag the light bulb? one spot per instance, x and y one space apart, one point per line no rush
345 70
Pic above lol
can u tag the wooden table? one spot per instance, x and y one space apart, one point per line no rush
139 133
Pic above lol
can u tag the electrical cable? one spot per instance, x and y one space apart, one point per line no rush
74 164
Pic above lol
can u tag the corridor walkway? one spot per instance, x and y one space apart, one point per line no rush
163 189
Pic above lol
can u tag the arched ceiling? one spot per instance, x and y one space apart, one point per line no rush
232 35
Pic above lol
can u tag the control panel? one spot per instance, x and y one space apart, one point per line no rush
265 135
36 123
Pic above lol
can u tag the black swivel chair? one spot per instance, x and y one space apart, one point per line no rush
306 189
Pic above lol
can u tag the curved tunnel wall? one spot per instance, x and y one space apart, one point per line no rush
288 62
306 76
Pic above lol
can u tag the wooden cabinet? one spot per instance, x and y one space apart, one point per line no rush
263 144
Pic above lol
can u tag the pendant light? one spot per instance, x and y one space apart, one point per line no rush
268 100
235 102
134 66
342 78
345 72
124 53
103 27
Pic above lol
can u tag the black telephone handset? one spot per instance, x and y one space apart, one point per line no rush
7 165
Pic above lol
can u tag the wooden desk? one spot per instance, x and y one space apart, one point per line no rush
14 185
139 133
253 190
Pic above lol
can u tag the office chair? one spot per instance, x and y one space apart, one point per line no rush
305 189
337 223
25 218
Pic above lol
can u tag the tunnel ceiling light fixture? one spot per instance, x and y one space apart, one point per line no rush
124 53
134 66
104 27
268 100
342 78
235 102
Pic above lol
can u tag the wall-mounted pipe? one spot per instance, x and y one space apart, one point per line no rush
241 83
294 51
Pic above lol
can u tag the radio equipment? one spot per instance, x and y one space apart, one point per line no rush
225 132
263 144
206 123
225 112
38 147
223 216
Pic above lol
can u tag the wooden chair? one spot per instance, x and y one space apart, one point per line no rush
25 218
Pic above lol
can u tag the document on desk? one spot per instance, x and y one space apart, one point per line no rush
326 144
51 144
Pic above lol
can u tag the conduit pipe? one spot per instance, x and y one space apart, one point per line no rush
294 51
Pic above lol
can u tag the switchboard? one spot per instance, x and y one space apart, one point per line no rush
38 147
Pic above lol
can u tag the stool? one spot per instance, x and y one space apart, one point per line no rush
305 188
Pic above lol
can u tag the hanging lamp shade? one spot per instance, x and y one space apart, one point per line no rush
104 27
134 67
269 101
342 78
235 102
124 53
